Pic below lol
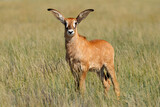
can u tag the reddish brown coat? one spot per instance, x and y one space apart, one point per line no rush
83 55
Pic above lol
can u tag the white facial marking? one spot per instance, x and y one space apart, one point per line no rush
70 32
74 25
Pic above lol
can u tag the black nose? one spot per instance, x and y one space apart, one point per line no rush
70 32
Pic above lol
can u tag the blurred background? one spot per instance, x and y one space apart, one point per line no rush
33 70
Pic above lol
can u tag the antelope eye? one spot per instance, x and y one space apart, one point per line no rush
76 23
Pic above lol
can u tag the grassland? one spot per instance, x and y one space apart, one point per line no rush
33 71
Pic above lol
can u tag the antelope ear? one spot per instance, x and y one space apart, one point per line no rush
83 15
58 15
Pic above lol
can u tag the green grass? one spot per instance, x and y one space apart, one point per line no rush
33 70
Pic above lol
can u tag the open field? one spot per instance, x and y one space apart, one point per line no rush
33 70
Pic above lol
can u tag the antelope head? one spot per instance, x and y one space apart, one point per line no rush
71 23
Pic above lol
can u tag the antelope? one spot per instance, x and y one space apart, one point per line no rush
83 55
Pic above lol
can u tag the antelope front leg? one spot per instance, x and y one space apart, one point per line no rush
82 86
83 73
79 78
76 80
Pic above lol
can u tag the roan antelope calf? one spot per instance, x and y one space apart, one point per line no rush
83 55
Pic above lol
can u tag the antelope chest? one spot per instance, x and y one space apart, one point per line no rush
76 61
75 65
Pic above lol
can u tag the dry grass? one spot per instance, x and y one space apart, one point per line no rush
33 71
